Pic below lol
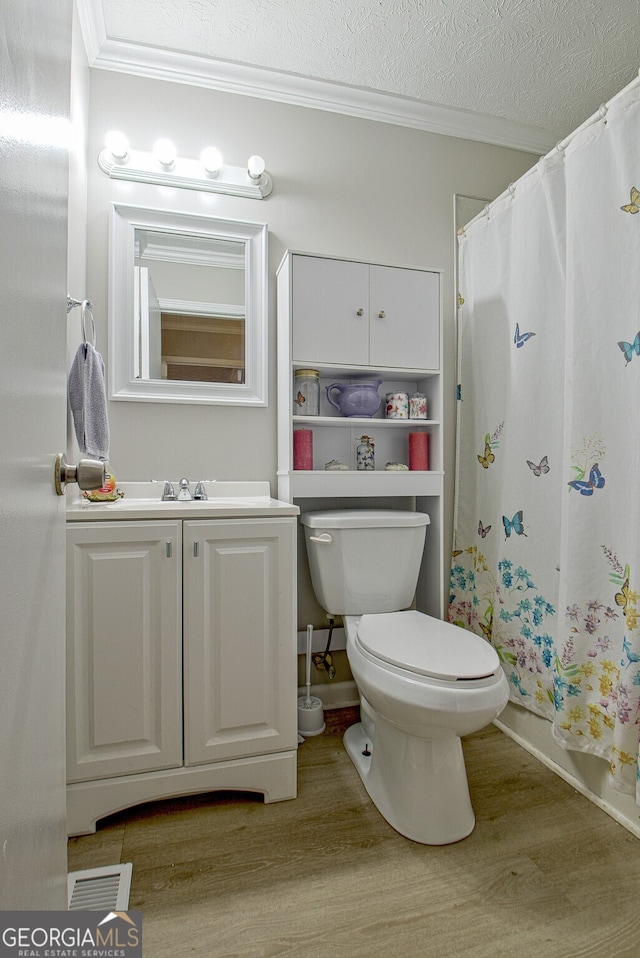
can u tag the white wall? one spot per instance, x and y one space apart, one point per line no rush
345 186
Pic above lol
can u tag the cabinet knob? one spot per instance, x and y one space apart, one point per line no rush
381 314
360 312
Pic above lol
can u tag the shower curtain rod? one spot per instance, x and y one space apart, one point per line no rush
560 147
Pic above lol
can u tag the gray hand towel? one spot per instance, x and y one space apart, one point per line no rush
88 401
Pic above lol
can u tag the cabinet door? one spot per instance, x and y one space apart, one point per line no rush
405 318
124 696
330 311
240 694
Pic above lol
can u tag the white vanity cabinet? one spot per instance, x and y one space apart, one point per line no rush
182 666
363 314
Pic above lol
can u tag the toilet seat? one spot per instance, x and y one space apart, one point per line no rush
423 645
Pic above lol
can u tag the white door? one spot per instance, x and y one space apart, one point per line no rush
149 342
124 648
239 657
330 308
405 318
34 115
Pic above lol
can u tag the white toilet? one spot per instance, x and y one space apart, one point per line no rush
422 682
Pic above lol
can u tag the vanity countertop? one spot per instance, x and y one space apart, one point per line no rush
142 500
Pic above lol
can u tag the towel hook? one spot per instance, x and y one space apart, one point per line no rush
87 308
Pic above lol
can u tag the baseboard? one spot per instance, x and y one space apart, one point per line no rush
335 695
580 786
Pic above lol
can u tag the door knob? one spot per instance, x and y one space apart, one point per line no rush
89 473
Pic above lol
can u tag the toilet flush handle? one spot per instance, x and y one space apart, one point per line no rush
324 540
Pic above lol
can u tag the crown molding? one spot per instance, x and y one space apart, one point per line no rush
124 57
92 27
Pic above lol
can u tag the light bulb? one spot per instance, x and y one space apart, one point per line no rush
165 152
255 167
211 159
117 144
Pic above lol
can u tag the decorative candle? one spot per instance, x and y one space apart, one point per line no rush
419 451
302 449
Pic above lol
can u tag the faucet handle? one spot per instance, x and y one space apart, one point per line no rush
200 491
169 493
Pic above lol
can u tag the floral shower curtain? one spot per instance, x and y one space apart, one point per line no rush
546 559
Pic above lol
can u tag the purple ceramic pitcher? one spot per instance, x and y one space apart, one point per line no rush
356 399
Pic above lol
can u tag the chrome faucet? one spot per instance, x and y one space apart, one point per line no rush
185 492
169 493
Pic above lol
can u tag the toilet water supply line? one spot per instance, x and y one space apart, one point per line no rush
323 660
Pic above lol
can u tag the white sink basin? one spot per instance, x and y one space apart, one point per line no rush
143 500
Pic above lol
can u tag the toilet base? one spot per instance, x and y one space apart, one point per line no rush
419 785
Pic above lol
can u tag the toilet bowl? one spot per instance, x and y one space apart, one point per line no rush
407 747
423 683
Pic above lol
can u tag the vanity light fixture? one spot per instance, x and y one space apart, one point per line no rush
163 167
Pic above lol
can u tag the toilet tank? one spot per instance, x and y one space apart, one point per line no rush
364 560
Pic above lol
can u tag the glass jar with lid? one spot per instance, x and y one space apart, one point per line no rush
418 406
365 454
306 392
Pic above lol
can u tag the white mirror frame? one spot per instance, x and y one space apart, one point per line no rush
122 382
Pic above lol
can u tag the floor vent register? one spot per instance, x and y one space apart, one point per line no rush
100 889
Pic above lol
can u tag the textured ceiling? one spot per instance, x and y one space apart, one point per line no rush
545 63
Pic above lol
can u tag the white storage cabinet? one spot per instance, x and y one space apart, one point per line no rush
351 321
364 315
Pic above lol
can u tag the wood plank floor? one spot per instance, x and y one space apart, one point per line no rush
545 874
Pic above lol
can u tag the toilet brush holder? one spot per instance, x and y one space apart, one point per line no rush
310 716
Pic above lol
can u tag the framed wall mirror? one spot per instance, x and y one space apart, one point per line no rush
187 308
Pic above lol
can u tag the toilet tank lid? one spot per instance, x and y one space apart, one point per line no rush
364 519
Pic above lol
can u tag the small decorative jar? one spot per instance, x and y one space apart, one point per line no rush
397 406
306 392
365 456
418 406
